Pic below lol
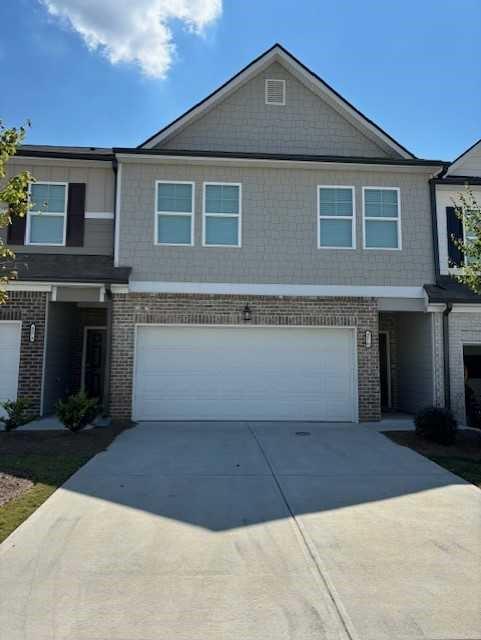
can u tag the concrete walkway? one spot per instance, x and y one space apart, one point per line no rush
228 531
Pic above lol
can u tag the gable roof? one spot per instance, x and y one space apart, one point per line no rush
464 156
278 53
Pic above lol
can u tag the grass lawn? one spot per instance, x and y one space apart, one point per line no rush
462 458
46 459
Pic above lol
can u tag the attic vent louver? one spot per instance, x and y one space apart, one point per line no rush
276 92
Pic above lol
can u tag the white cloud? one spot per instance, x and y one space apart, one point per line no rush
135 31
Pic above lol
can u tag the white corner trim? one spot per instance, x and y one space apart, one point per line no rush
118 203
226 288
99 215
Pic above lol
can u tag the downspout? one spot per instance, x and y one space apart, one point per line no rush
115 169
447 381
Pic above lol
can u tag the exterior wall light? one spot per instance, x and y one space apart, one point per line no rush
33 329
368 339
247 313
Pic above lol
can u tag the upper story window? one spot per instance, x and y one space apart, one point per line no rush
174 213
222 214
46 221
336 219
382 218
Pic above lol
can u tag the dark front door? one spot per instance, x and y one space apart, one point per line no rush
384 371
94 363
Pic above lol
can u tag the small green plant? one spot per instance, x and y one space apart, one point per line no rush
436 424
18 413
77 411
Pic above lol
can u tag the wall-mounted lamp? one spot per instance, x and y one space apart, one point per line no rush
247 313
33 329
368 339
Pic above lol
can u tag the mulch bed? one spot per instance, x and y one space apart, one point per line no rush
467 445
12 486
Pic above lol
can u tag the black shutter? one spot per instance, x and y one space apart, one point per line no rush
455 228
75 214
16 230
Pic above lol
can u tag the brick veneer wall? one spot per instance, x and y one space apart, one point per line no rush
29 307
130 309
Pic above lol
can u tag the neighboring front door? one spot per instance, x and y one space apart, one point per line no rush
384 370
94 361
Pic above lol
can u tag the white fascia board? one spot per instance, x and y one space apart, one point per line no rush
226 288
28 286
314 165
315 84
466 308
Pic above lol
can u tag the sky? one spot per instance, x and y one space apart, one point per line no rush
113 72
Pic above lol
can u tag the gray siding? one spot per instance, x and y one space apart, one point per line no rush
279 229
98 238
415 361
306 124
62 326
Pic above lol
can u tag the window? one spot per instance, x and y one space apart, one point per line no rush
174 213
222 213
46 222
275 92
382 218
336 220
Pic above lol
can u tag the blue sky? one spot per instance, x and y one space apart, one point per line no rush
411 66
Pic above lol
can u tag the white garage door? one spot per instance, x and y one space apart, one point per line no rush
10 354
244 373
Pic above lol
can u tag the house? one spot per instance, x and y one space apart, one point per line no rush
266 256
461 307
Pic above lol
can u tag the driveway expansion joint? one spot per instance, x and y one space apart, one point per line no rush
309 548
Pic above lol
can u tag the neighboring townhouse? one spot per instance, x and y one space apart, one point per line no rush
55 328
270 258
461 307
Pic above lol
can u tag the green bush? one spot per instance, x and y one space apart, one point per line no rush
77 411
18 413
436 424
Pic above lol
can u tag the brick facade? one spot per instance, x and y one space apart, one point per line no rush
30 308
131 309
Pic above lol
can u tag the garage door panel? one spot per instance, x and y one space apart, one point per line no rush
225 373
10 350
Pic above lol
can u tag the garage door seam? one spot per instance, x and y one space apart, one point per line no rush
310 548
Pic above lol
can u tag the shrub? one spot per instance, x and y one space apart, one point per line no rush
18 413
77 411
436 424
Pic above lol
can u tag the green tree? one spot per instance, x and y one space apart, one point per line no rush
469 211
13 199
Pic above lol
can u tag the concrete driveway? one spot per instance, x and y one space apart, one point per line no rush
215 531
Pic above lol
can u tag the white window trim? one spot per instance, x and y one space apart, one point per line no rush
353 217
465 240
398 219
32 212
174 213
275 104
206 215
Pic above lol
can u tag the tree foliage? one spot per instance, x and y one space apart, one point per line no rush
469 211
13 199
